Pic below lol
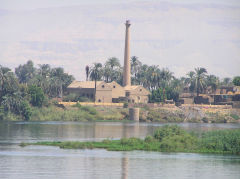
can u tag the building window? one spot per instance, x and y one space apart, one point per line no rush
114 86
127 94
140 89
99 100
103 86
139 98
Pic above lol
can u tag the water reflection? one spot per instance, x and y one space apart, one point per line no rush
15 132
52 162
124 166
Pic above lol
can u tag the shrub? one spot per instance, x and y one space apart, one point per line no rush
168 131
70 97
221 141
78 105
36 95
179 143
26 110
149 139
235 116
236 80
89 109
131 141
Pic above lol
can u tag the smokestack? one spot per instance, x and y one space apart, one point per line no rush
127 66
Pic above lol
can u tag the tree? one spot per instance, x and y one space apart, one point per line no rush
26 111
8 82
44 70
111 70
113 62
200 75
190 81
165 77
59 81
227 82
36 95
143 76
107 72
213 82
87 72
25 72
152 77
135 68
157 95
236 80
96 74
196 80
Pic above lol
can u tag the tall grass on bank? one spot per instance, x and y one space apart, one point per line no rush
53 113
169 138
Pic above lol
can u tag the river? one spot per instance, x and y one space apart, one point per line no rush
52 162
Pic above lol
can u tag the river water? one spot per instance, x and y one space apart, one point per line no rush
52 162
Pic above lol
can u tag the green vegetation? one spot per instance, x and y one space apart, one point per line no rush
235 116
53 113
36 95
236 80
169 138
29 87
159 81
29 90
165 115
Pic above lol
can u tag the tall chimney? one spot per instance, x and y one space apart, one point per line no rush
127 66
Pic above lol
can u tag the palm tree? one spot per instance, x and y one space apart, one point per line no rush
25 72
165 76
111 69
96 74
213 82
190 81
135 67
44 70
107 72
87 72
8 82
142 76
200 76
227 82
113 62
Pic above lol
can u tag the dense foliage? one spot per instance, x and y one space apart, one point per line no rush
160 82
32 86
29 86
236 80
36 95
166 139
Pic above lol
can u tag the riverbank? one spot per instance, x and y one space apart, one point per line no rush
169 138
55 112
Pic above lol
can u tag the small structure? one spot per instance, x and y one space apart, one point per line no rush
87 89
186 98
134 114
109 92
136 94
118 92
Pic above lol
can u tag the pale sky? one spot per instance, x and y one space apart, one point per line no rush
179 35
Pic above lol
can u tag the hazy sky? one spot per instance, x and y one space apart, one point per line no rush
179 35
